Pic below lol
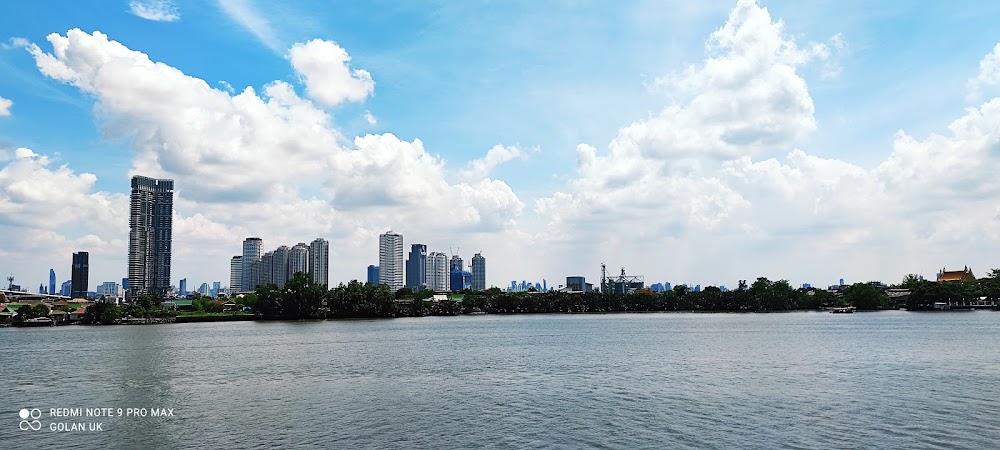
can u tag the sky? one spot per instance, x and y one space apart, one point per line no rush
688 142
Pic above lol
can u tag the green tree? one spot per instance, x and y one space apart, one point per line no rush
990 285
301 298
910 281
866 296
41 310
269 302
102 313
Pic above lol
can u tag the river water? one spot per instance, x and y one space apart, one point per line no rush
891 379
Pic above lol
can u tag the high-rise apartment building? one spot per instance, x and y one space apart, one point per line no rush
478 272
416 267
266 274
390 260
319 261
298 259
80 275
279 266
251 253
150 236
455 268
255 274
437 272
66 288
235 274
110 290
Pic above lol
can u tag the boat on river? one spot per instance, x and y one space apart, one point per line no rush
843 310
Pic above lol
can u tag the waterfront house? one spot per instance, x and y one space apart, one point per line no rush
77 315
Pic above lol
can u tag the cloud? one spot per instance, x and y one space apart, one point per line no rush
5 105
745 98
155 10
989 75
31 189
715 183
370 118
481 168
15 42
325 70
243 13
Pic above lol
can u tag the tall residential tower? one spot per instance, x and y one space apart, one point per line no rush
319 261
80 274
150 236
235 274
416 267
390 260
478 272
251 254
437 272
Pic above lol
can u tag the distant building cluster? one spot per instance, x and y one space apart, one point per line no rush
253 269
423 270
525 286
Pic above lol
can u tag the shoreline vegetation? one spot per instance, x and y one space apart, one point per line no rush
301 298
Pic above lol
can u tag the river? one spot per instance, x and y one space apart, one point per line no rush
891 379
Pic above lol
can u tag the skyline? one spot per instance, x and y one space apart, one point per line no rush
692 144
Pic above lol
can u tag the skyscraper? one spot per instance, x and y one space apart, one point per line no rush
66 289
478 272
319 261
80 275
182 287
251 253
266 274
235 274
416 267
455 268
437 272
52 281
255 274
372 274
279 266
150 236
390 260
298 259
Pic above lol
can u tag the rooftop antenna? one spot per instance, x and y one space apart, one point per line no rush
10 282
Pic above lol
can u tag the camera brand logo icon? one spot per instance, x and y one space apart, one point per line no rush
33 424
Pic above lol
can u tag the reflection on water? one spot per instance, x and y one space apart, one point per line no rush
810 380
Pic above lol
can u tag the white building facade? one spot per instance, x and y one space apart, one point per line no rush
319 261
437 272
390 260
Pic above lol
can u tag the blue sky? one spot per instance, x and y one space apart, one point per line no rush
538 79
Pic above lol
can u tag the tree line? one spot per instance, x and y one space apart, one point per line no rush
301 298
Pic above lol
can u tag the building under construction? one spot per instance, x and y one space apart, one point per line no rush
622 284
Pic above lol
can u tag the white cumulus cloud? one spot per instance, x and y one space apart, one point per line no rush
5 105
988 76
326 72
499 154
